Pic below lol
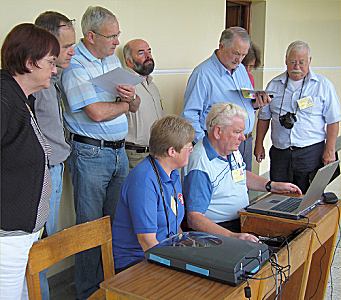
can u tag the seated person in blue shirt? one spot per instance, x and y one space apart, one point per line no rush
216 182
151 207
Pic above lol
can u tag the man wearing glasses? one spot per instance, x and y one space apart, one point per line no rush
98 126
305 114
220 78
49 115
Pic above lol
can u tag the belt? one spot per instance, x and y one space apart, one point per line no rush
248 135
137 148
98 143
293 148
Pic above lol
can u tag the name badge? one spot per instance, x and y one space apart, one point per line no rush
305 103
238 175
173 205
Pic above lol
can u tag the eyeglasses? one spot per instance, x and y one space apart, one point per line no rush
109 37
189 148
301 63
51 62
68 23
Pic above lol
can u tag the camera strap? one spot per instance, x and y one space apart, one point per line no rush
285 87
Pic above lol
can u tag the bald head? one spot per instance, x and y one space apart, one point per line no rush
138 56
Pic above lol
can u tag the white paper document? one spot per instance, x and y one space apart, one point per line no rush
110 80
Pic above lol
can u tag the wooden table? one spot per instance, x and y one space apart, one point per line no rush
312 277
149 281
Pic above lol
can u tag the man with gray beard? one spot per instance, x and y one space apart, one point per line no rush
305 114
138 58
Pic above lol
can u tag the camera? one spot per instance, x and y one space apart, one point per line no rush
288 120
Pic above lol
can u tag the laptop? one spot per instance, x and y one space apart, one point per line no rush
295 207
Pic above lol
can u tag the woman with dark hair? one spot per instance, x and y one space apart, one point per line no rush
252 61
28 57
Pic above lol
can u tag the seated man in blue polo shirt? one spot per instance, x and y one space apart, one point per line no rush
151 207
216 182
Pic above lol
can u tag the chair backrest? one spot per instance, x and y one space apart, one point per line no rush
78 238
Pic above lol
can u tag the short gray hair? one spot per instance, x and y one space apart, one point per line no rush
223 113
298 45
228 35
127 52
94 17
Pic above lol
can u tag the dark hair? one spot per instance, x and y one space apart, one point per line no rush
52 21
253 54
26 42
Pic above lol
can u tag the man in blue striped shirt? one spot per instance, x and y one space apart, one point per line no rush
98 126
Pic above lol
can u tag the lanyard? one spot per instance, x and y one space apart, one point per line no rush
285 87
152 162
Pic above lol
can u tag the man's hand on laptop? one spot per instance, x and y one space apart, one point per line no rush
285 188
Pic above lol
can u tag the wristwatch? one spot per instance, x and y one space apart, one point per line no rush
268 186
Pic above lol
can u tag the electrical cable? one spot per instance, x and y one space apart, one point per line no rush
282 273
323 255
336 246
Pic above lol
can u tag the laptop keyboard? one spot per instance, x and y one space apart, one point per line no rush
288 205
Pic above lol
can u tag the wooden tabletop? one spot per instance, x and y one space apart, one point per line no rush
272 226
150 281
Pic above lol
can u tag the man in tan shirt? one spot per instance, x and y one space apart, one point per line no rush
138 58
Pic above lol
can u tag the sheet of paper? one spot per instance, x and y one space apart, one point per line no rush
111 79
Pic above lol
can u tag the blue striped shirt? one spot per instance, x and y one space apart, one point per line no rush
81 92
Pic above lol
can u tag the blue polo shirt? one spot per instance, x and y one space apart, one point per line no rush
212 83
209 187
141 210
80 92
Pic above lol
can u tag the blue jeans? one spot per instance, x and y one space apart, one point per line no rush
56 173
97 176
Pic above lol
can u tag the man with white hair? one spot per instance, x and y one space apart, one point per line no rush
216 181
304 114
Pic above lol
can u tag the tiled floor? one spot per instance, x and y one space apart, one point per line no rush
335 277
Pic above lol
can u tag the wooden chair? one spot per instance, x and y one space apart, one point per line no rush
48 251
